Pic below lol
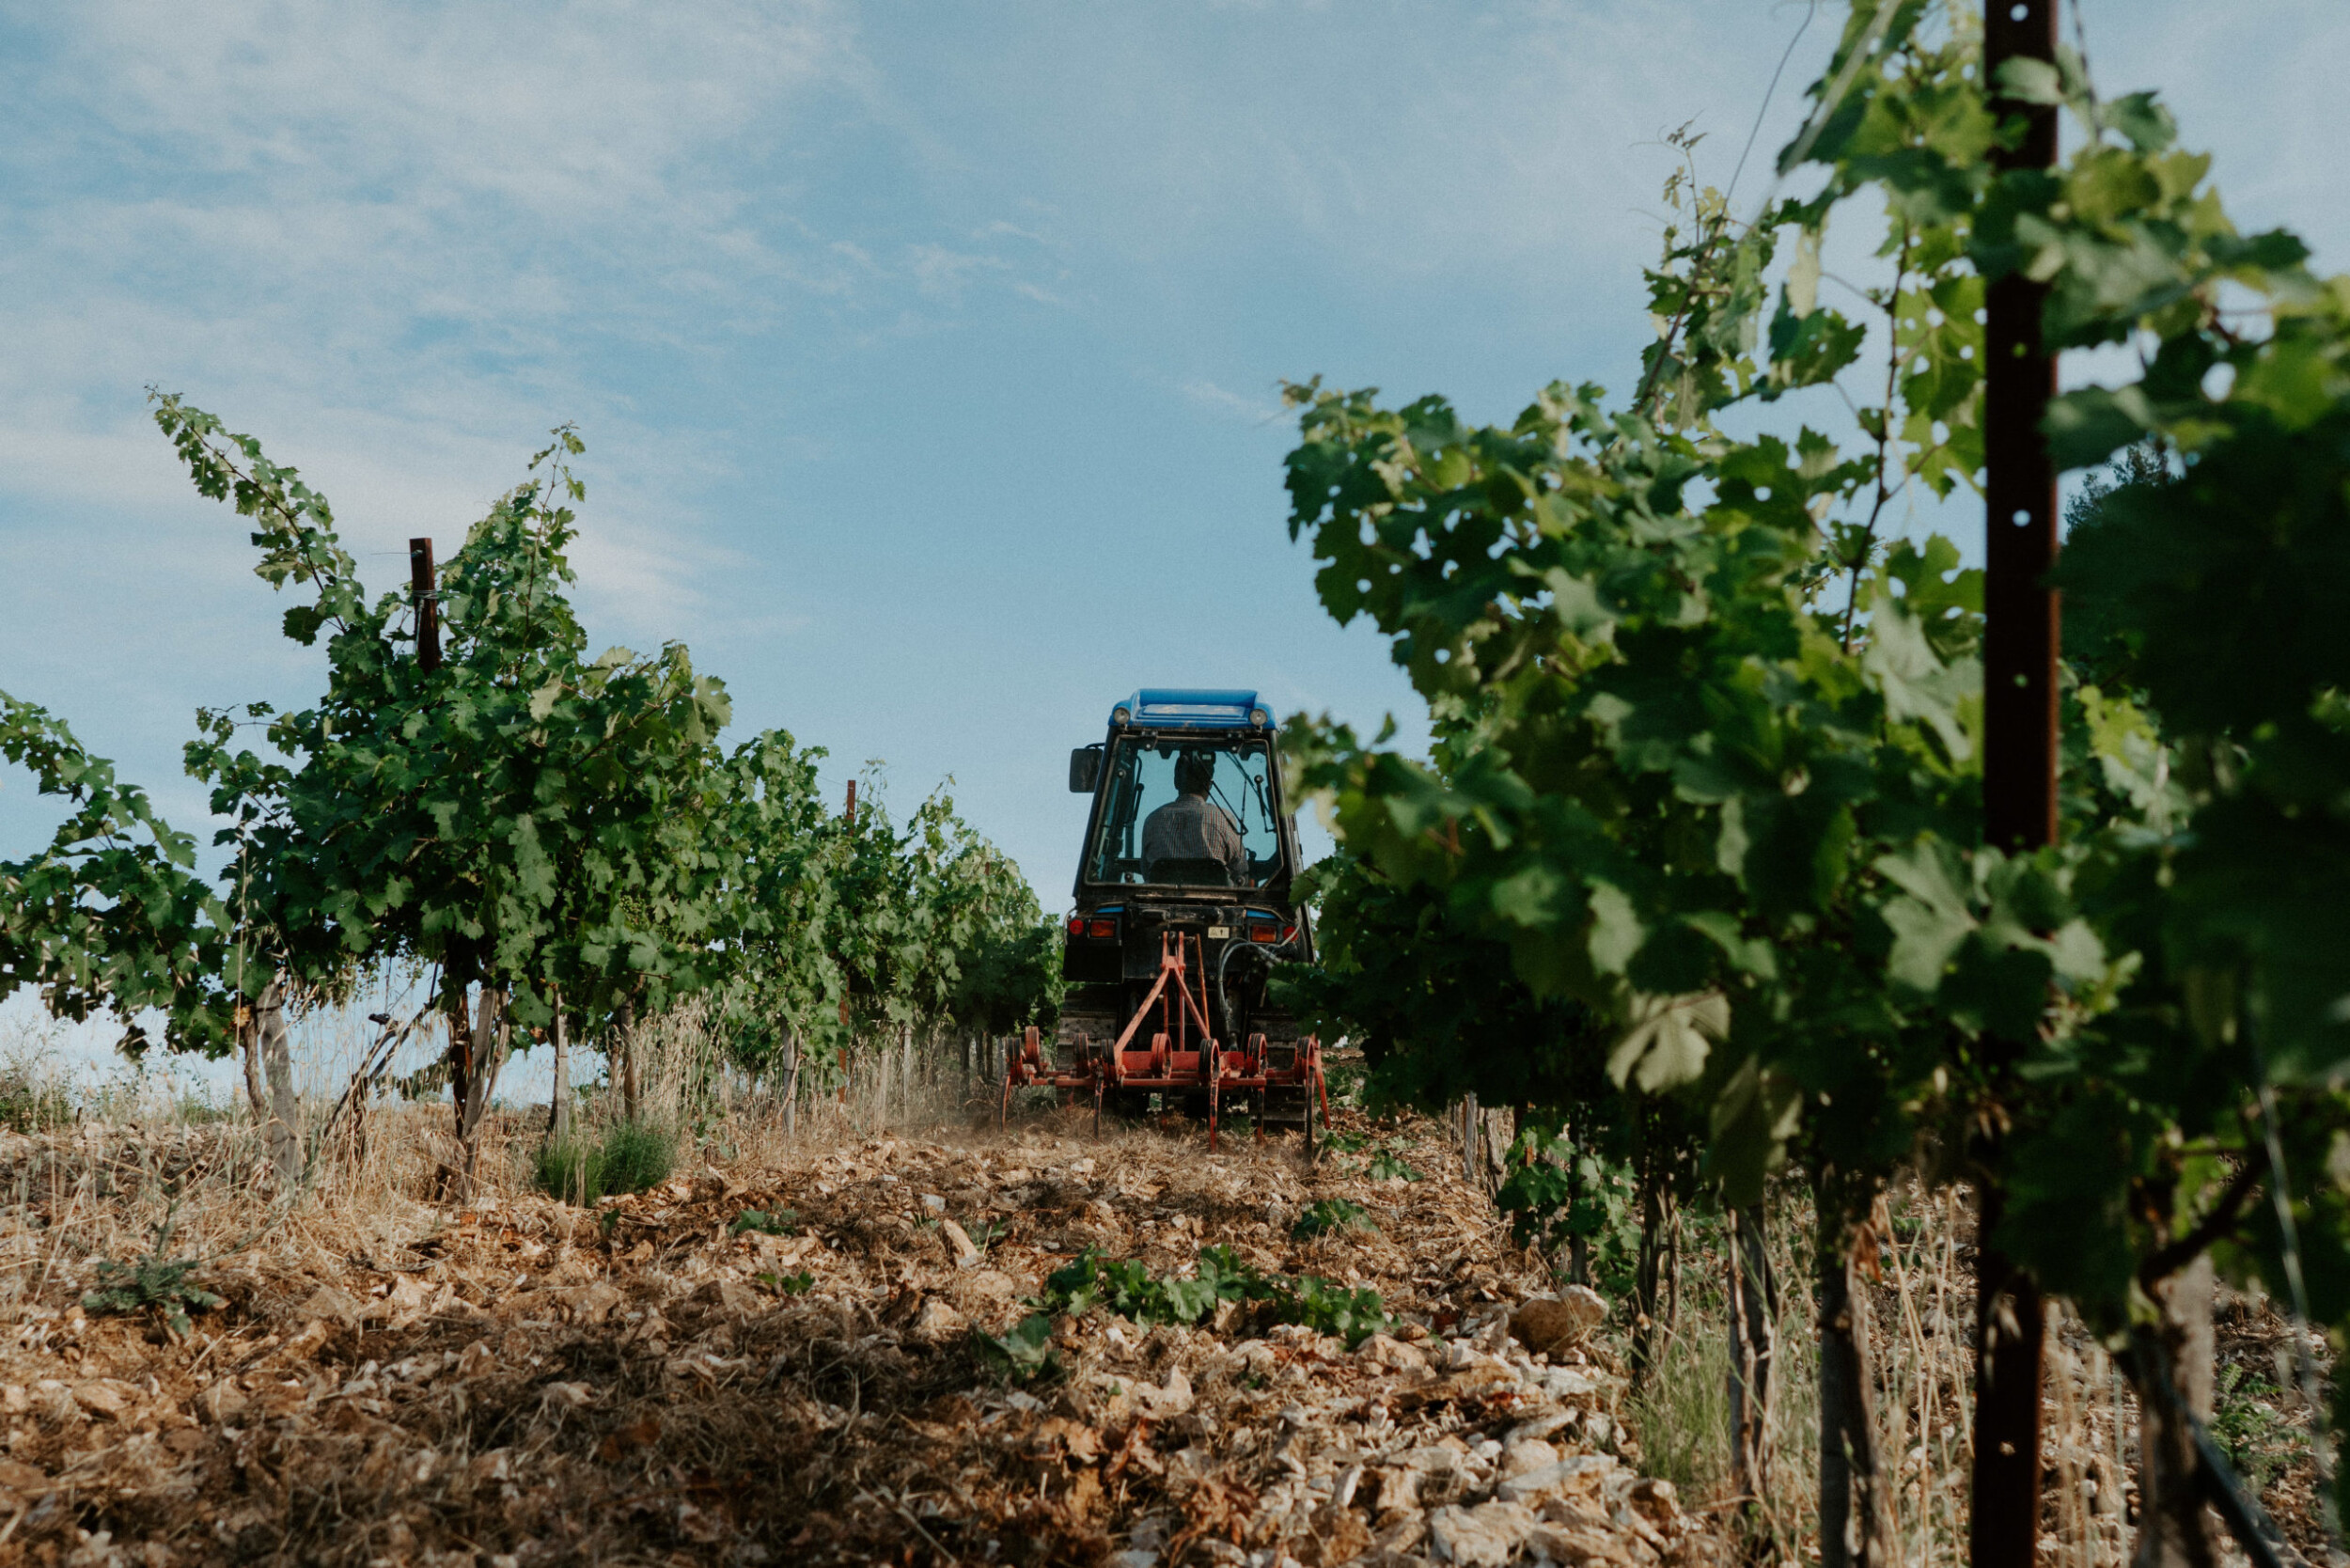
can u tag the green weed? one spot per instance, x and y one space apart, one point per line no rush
2251 1426
1350 1314
156 1280
1681 1408
633 1156
1025 1351
783 1222
567 1169
1331 1216
1130 1290
637 1155
29 1103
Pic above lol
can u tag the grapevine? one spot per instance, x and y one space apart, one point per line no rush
1712 760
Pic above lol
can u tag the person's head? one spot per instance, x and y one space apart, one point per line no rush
1193 772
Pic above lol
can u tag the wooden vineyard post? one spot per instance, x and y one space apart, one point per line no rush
624 1040
791 1081
559 1107
422 583
1754 1306
2019 778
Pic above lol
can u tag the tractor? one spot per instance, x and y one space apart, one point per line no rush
1184 910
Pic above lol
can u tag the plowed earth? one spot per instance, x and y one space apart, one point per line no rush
524 1382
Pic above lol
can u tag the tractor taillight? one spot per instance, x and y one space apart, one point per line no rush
1289 934
1104 930
1076 925
1264 933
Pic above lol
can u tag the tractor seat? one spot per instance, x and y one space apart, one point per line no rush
1191 872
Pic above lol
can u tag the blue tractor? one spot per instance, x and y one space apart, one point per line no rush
1184 910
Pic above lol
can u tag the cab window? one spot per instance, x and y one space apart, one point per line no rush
1142 779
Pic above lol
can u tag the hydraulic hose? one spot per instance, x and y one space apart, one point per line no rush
1222 997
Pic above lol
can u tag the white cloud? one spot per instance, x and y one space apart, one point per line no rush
1000 229
1393 142
941 274
565 110
390 241
1208 395
333 178
1044 296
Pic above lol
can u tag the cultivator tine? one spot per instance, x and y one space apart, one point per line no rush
1017 1071
1317 1088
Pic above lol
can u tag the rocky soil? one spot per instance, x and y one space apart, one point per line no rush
662 1379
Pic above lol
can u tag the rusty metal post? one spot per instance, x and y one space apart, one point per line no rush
2019 656
2019 645
423 584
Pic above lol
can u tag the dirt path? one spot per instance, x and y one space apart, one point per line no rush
524 1382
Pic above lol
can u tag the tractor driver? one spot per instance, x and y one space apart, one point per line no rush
1191 827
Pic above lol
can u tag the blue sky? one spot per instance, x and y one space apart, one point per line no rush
927 355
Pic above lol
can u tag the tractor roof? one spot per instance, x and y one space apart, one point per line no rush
1183 708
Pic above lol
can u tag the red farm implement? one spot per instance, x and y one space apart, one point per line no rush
1184 910
1169 1048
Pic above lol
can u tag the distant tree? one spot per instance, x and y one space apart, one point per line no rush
2105 521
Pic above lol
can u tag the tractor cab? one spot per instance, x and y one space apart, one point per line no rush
1193 809
1182 910
1216 858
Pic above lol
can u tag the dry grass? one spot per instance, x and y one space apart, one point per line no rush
1922 1307
396 1377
